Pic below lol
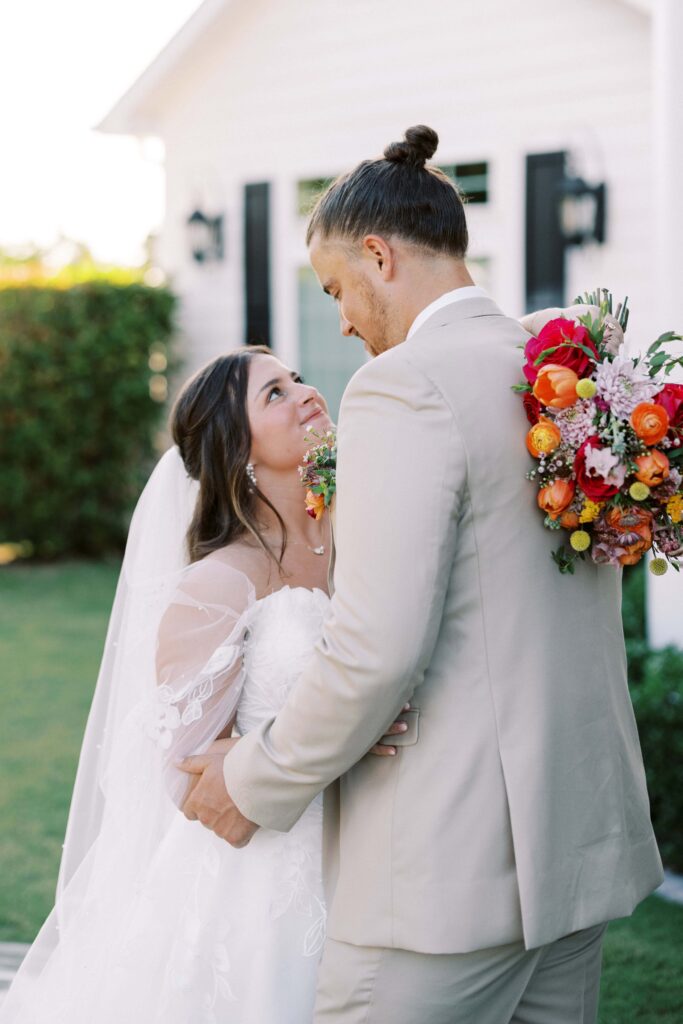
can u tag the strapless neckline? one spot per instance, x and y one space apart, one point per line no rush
313 591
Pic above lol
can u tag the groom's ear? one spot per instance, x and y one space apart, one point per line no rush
381 254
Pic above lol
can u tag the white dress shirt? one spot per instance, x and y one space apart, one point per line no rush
472 291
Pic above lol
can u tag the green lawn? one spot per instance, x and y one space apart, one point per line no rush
642 978
52 625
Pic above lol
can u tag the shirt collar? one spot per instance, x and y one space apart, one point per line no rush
468 292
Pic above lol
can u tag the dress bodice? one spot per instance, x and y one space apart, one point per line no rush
283 629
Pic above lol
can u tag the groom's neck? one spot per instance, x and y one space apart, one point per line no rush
423 281
427 280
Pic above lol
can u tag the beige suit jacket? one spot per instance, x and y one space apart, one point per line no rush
517 806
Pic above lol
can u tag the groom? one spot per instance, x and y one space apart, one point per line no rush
471 875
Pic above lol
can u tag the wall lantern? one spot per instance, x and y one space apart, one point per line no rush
582 211
205 236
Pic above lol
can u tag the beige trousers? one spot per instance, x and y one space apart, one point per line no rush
556 984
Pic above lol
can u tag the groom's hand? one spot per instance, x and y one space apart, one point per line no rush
209 802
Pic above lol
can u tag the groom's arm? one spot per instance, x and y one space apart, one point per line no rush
400 480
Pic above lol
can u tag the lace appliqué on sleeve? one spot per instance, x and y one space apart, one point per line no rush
170 709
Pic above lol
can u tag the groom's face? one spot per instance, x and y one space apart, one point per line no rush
344 275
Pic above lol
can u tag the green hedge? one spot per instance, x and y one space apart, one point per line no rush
79 401
656 683
658 704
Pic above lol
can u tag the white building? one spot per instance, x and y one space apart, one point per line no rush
256 102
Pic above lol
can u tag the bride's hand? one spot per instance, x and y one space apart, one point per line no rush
221 746
399 726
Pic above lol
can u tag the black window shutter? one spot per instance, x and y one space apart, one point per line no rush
257 263
545 246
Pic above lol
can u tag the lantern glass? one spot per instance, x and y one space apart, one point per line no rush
199 236
578 215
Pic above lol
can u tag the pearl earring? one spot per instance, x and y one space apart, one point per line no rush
251 474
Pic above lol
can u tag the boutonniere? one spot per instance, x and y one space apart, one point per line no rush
607 439
319 473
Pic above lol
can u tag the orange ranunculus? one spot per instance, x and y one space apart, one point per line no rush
315 505
556 386
653 468
554 498
543 438
569 520
650 422
635 526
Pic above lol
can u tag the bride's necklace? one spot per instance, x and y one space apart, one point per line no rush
302 544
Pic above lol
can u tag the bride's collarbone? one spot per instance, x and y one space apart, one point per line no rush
300 568
300 578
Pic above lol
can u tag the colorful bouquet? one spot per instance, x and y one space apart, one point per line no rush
607 433
319 473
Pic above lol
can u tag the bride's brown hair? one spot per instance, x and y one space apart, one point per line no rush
399 194
210 426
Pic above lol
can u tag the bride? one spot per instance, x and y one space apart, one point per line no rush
222 596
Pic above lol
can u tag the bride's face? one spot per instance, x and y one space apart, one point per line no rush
283 411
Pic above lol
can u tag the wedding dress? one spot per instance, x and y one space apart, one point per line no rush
157 919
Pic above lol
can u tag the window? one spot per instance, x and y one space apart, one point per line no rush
326 359
481 270
308 191
471 179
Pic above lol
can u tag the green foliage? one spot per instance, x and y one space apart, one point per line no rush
658 704
656 682
76 410
633 612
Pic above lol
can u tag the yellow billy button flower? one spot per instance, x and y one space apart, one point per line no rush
658 566
638 491
586 388
580 540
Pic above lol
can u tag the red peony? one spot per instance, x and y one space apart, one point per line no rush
671 399
593 487
532 408
567 334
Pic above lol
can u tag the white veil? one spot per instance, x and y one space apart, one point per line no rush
153 565
170 679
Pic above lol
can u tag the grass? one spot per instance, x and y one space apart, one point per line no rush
52 626
642 980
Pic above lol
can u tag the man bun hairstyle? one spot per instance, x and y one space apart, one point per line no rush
398 194
419 146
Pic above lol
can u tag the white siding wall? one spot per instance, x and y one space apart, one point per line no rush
299 88
289 89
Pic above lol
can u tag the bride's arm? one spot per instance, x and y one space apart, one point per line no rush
199 656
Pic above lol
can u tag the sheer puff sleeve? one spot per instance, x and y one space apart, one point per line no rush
199 662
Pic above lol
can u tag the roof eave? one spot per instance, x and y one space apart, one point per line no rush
134 113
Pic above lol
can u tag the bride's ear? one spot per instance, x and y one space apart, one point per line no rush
380 253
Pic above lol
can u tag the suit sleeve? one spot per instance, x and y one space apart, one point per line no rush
401 475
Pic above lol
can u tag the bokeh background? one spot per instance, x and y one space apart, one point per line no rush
159 158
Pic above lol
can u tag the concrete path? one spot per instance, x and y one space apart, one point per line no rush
672 887
11 955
